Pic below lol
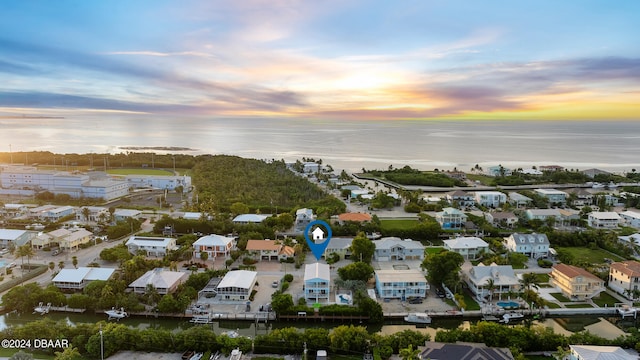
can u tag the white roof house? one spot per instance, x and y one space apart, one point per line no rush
78 278
503 277
533 245
249 218
153 246
164 281
596 352
317 282
237 285
394 248
603 219
317 271
15 237
631 218
214 245
554 196
490 198
470 247
632 239
543 214
192 215
123 214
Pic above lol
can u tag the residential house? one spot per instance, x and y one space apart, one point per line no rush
535 246
164 281
631 218
624 278
600 352
151 246
124 214
492 199
13 210
249 219
460 198
166 182
633 239
543 214
354 217
401 284
519 201
503 219
92 213
451 218
57 213
77 279
569 217
338 245
603 219
76 237
531 171
581 197
458 175
479 279
499 171
303 218
266 249
463 350
555 197
214 246
237 285
593 172
15 237
194 215
317 283
469 247
393 248
575 283
42 240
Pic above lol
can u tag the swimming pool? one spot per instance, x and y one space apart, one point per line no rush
508 304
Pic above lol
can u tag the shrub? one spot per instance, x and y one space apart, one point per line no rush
288 278
545 263
285 286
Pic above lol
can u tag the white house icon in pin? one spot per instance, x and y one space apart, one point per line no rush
318 234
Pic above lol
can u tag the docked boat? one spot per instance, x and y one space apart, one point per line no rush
42 309
511 316
116 314
418 318
626 310
200 319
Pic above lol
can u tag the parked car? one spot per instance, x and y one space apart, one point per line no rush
415 300
440 293
275 284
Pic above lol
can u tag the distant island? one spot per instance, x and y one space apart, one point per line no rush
160 148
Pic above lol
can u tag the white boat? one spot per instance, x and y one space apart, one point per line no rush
418 318
116 314
626 310
511 316
42 309
200 319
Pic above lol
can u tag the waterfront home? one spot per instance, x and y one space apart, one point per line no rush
401 284
462 350
15 237
394 248
237 285
492 199
599 352
535 246
338 245
555 197
451 218
354 217
151 246
303 218
543 214
631 218
214 245
164 281
518 200
267 250
460 198
575 283
249 219
503 219
469 247
317 283
603 219
624 278
77 279
479 277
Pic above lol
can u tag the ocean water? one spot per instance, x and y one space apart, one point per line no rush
352 145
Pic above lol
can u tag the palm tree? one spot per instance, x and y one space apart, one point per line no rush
74 261
25 250
410 353
529 280
52 265
490 286
61 265
86 213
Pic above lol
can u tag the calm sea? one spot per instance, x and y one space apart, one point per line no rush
352 145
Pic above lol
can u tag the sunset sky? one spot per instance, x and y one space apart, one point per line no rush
345 59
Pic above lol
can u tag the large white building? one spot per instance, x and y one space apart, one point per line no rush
490 198
603 219
469 247
214 245
237 285
165 282
317 283
77 279
554 196
169 182
533 245
503 277
631 218
94 185
401 284
394 248
152 246
624 278
15 237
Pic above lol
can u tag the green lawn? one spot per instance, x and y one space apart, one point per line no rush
578 306
553 305
134 171
484 179
591 256
605 299
560 297
390 224
430 250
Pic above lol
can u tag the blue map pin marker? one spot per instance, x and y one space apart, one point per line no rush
317 249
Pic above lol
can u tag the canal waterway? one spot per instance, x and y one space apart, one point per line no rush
603 326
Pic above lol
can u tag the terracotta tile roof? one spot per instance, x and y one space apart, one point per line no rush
630 268
360 217
288 251
257 245
573 271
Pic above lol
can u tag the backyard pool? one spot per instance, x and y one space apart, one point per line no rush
508 304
